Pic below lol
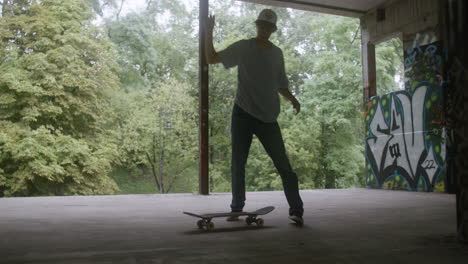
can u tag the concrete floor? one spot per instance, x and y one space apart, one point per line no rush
342 226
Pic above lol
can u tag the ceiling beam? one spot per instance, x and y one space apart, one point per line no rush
309 4
304 5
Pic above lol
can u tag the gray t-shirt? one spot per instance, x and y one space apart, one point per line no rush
260 73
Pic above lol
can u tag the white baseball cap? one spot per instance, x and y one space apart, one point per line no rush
267 15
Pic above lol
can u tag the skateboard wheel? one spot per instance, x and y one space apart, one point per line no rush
209 226
200 224
248 221
259 222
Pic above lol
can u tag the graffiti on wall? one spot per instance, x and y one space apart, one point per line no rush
405 138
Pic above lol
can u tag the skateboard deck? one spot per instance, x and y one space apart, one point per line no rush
206 223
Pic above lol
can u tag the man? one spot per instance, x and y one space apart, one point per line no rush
261 76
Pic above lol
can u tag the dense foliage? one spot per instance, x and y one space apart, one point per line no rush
89 107
57 75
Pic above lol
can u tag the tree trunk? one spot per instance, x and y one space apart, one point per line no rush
153 170
327 176
330 180
212 148
120 9
152 161
161 160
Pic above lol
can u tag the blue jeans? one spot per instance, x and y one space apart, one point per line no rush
243 127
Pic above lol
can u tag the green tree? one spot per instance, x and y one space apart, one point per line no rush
57 73
152 49
146 55
332 98
322 55
323 65
389 63
98 6
158 135
158 57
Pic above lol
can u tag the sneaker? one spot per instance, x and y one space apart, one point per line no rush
297 220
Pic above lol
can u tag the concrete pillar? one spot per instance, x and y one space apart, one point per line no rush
458 23
203 102
454 24
461 158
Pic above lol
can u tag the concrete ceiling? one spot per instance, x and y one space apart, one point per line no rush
349 8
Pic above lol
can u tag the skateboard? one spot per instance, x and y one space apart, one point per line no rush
206 224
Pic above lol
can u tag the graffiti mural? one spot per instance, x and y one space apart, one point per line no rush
405 138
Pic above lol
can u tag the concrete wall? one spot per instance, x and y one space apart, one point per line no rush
405 137
404 18
416 22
